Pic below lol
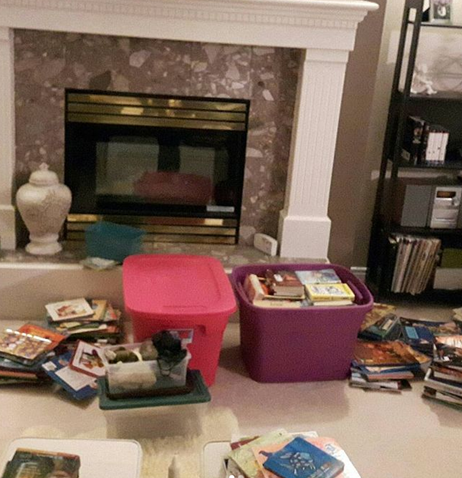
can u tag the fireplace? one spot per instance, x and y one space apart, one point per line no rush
171 165
324 30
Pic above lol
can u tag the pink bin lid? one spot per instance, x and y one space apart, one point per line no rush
177 286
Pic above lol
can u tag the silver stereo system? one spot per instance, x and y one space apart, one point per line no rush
434 203
446 207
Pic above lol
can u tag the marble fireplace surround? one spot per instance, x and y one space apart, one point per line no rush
325 30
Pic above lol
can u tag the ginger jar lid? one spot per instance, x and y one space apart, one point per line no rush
43 177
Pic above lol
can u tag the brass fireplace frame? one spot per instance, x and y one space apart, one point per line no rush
167 112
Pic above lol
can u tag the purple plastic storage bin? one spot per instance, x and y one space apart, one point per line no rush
299 345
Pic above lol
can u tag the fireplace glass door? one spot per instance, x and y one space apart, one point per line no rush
145 155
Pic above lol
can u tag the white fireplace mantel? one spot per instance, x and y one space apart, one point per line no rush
325 29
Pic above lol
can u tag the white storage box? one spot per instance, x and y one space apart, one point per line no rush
149 417
143 376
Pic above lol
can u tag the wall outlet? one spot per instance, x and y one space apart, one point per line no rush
265 243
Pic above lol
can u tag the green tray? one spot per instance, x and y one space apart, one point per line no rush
199 394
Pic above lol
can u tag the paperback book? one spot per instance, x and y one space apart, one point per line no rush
322 276
300 459
80 386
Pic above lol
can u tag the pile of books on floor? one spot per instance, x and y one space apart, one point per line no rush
24 351
288 455
386 366
392 350
66 349
295 289
424 142
443 381
411 262
92 320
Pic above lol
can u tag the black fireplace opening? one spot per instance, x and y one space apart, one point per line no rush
157 157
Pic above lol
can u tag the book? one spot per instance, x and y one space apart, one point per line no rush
444 373
326 444
386 328
321 292
42 464
99 309
244 457
89 359
78 385
443 397
254 289
300 459
332 303
356 380
431 381
54 337
387 353
280 303
21 347
377 373
377 313
284 283
258 294
322 276
69 310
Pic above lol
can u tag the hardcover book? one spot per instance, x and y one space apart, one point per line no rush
22 347
300 459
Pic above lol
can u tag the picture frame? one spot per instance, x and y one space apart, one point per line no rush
440 11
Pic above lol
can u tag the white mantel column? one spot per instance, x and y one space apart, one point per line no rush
7 140
304 227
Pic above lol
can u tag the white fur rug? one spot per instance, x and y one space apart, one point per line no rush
219 424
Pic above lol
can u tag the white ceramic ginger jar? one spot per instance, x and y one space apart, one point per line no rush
43 204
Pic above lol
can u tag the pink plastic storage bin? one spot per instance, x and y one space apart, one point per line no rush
297 345
169 291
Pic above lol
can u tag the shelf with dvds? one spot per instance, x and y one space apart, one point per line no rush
416 238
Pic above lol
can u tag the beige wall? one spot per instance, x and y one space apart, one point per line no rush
351 158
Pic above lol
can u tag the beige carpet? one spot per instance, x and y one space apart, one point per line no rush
218 424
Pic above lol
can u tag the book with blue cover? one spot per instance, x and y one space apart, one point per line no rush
78 385
300 459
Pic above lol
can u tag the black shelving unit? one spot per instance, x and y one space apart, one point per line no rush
437 108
